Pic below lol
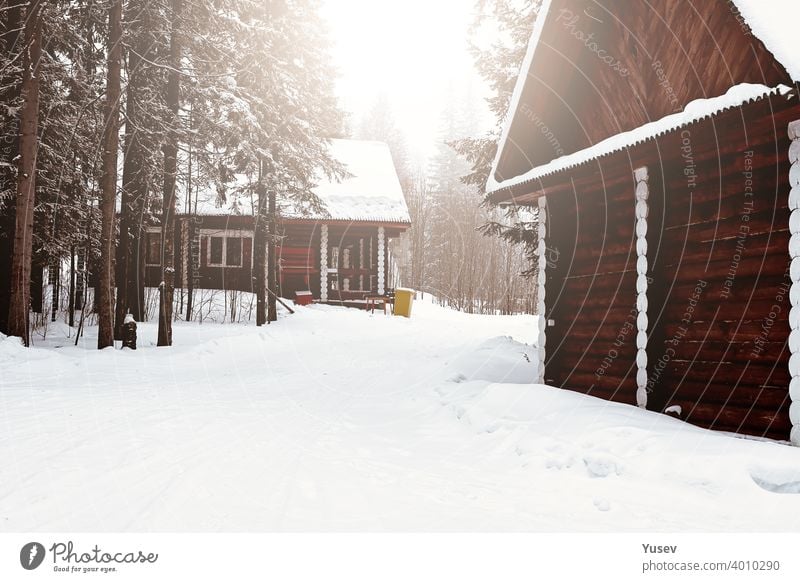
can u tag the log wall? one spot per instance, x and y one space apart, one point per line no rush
718 260
720 291
591 292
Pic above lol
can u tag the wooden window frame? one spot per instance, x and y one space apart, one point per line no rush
225 235
152 230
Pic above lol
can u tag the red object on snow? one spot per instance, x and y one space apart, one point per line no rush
303 297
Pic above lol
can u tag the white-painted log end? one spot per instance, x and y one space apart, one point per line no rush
794 413
794 196
794 270
641 228
794 176
641 265
641 322
794 318
794 365
641 209
794 151
794 389
794 294
641 378
642 192
641 302
641 284
794 222
794 129
794 341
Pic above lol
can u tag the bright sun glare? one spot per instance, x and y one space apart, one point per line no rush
412 51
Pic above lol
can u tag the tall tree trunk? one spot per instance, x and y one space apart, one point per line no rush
71 303
80 279
272 260
189 249
130 263
19 305
167 288
10 26
108 182
80 252
259 253
55 291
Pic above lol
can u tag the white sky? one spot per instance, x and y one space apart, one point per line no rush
410 50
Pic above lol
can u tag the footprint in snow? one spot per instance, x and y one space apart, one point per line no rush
559 463
599 465
601 504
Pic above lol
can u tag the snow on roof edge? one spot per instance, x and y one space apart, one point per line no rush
695 111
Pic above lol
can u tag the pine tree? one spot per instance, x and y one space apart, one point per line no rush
146 117
18 322
275 107
105 337
253 85
511 23
10 86
170 177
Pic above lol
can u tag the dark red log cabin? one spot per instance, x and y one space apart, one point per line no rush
660 142
340 255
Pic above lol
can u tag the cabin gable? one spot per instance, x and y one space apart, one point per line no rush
602 68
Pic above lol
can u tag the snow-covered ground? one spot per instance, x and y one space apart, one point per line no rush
335 419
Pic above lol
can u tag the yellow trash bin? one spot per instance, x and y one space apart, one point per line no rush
403 300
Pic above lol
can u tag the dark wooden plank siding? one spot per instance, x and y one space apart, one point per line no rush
718 259
720 302
591 293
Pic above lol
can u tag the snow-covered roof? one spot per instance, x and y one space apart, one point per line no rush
694 111
775 23
371 192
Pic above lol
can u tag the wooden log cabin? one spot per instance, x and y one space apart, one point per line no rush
660 143
340 255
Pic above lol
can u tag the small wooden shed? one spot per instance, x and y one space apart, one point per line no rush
660 142
340 255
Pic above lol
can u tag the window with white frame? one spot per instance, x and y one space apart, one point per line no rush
224 250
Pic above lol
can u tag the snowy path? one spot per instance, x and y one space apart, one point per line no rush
334 419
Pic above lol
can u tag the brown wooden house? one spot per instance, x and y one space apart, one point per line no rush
339 255
660 142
